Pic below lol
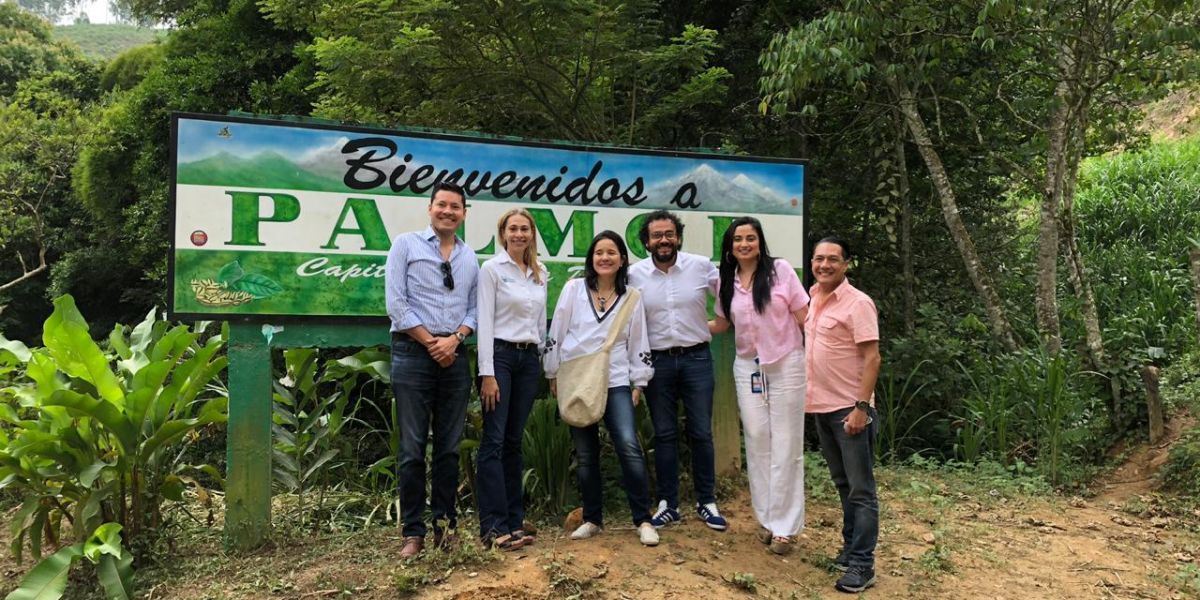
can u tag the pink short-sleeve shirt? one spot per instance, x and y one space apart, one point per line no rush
834 327
773 334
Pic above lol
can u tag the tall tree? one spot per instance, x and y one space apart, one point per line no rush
892 50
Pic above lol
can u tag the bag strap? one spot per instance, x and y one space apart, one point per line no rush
622 317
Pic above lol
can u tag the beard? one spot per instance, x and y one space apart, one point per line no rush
659 258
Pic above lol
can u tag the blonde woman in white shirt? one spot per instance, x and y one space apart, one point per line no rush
512 326
582 319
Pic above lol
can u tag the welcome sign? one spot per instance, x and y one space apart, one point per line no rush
276 219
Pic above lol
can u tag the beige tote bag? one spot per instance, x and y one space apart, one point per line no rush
583 380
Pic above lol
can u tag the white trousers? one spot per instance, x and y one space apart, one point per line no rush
773 423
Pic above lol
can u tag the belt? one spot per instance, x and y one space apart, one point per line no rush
499 343
399 336
680 350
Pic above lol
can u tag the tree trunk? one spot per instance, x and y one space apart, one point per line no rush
958 231
1077 271
907 278
1194 257
1047 255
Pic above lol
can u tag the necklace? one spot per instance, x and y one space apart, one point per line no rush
604 300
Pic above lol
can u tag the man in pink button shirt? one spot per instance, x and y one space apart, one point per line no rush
842 336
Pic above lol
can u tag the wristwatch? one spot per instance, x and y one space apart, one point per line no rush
863 405
460 336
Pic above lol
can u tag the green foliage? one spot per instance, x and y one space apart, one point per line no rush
91 436
549 464
103 548
110 41
130 67
28 50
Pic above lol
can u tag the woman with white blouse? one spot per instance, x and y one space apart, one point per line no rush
583 317
762 298
512 325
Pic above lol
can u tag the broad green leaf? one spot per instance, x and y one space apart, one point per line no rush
169 432
143 334
259 286
105 540
44 374
15 348
66 336
88 476
104 412
320 462
231 273
115 576
89 509
172 488
48 579
20 524
35 531
116 339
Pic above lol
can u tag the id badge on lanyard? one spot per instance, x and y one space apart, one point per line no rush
756 381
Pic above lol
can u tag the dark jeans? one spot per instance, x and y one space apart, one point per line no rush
428 394
618 418
686 378
851 461
498 478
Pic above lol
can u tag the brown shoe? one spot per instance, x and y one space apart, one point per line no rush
413 544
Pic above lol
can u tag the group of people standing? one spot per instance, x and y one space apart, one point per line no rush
795 354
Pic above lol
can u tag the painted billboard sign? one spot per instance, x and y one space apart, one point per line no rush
275 219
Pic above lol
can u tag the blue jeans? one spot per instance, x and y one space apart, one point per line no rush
498 478
618 418
427 394
686 378
851 461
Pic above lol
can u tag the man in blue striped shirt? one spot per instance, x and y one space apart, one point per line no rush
430 278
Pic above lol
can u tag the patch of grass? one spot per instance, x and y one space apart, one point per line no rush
437 566
743 581
1187 579
564 583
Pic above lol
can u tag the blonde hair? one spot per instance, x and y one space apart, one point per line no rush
530 256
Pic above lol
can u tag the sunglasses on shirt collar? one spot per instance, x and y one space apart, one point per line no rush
447 275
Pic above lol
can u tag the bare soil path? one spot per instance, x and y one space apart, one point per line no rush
945 534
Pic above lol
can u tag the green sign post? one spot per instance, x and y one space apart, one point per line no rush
283 229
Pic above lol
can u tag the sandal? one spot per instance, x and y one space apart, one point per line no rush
522 538
503 543
782 545
764 535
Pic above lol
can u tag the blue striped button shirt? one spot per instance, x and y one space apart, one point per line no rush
416 294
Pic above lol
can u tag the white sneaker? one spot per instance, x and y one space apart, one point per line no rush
648 534
586 531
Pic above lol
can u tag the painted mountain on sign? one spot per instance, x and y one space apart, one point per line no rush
263 170
716 192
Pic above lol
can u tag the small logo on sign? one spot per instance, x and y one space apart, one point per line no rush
199 238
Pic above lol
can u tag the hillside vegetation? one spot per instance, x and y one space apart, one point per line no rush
105 42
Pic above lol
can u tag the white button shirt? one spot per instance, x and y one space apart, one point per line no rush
512 307
676 301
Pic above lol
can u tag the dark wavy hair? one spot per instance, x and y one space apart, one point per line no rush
589 270
659 215
764 273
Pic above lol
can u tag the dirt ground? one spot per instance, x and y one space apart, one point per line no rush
943 535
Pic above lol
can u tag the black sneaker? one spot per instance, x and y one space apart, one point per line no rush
841 564
856 579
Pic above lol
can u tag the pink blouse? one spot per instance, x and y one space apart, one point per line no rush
773 334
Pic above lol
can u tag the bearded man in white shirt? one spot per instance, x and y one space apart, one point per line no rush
675 287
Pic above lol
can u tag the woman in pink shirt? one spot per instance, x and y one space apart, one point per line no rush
761 297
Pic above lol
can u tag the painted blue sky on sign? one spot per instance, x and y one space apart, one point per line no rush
767 187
